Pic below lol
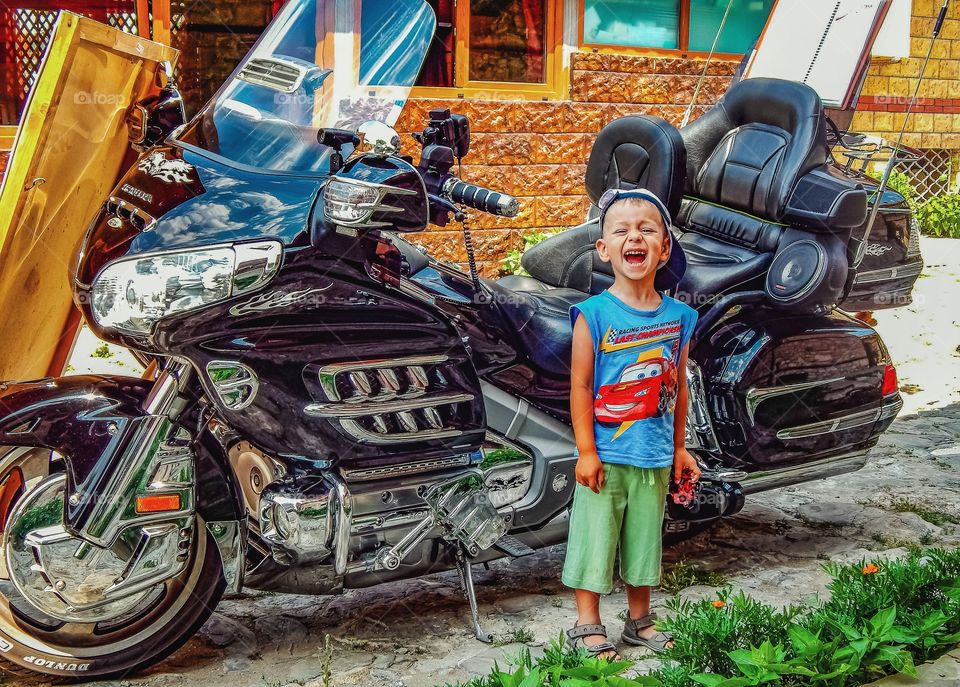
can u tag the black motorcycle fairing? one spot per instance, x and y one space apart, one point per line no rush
322 310
85 419
196 202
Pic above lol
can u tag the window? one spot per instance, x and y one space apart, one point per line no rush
484 42
674 24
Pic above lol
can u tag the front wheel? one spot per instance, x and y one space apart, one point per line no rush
109 641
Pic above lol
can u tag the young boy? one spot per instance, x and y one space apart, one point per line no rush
628 399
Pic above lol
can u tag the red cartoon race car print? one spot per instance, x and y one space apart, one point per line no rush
644 390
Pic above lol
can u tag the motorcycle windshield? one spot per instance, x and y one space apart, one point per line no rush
320 64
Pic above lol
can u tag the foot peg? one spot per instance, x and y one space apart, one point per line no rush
512 546
466 581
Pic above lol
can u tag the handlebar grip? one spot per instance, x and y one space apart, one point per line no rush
480 198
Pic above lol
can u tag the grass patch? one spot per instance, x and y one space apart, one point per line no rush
681 575
934 517
520 635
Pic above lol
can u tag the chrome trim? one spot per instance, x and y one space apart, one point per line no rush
757 395
155 441
764 480
167 389
228 535
244 379
259 261
297 521
378 139
342 524
338 410
273 73
382 472
357 431
909 270
382 521
328 373
124 209
891 408
699 429
844 422
369 209
67 578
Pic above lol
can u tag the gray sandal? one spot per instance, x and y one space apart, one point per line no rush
631 628
576 634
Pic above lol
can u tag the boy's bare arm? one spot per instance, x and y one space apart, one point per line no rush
681 456
589 468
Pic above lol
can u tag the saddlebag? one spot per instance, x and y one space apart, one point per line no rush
786 389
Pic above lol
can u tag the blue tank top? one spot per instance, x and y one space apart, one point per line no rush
635 376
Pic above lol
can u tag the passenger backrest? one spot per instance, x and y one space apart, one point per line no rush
639 151
750 150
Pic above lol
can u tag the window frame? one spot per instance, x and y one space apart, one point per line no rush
683 31
556 72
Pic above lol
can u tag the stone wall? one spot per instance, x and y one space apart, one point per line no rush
935 122
538 150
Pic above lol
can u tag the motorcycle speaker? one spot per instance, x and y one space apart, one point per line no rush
795 271
807 274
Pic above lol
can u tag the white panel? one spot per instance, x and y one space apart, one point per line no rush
894 38
822 43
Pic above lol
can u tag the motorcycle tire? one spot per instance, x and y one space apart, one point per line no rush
36 650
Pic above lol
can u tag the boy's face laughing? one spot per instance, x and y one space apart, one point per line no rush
633 240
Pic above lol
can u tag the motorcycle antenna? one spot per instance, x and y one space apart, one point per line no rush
892 160
706 64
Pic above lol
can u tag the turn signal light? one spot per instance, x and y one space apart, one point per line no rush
890 385
159 503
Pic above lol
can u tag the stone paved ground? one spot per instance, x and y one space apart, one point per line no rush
415 633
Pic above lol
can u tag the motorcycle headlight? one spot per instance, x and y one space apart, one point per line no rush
133 294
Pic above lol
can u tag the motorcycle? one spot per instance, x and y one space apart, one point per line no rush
327 407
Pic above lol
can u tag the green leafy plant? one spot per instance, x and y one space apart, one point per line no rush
878 620
940 215
898 182
706 630
511 263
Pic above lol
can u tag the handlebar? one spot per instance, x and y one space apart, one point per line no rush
480 198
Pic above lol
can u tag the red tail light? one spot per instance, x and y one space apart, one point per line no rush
889 380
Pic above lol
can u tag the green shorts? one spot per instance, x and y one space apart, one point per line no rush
627 512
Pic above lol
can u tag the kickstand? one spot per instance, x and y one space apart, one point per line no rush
466 581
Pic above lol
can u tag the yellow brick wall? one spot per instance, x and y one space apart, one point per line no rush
538 151
935 122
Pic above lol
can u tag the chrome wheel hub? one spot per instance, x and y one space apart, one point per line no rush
73 580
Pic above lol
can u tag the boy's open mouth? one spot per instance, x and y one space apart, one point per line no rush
635 256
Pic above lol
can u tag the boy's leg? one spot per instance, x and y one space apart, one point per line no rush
638 605
588 613
641 545
595 521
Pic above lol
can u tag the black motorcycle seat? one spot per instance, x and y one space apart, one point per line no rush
715 267
539 315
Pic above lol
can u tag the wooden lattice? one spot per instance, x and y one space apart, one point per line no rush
25 28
